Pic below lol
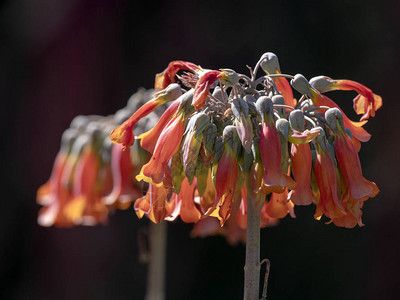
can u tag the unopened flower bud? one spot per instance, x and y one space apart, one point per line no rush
170 93
270 63
300 84
278 99
296 120
185 102
334 117
67 138
264 107
79 122
238 107
229 77
217 93
282 125
321 83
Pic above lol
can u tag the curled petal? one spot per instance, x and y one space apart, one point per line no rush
202 87
167 77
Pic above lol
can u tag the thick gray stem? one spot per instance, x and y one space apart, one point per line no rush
156 267
252 266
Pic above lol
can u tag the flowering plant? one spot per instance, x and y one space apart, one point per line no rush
229 146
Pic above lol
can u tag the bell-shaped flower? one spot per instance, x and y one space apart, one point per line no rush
123 134
302 85
53 195
167 144
226 175
122 171
153 204
358 187
167 77
326 179
188 210
149 139
301 160
86 206
270 151
279 205
365 103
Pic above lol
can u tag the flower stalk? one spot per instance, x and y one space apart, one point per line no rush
156 263
252 265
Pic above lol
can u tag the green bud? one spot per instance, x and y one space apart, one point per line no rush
270 63
217 93
282 125
170 93
334 118
238 107
321 83
300 84
278 99
264 106
296 120
229 78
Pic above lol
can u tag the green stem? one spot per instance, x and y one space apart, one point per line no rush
156 267
252 266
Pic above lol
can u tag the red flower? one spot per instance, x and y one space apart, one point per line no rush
202 87
53 195
325 175
167 144
270 151
167 77
301 167
153 204
358 188
86 206
149 139
122 170
225 182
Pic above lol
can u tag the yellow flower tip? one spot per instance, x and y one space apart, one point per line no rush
74 209
123 135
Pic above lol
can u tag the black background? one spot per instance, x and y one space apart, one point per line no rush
63 58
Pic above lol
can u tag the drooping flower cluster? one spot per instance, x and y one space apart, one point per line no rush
91 176
221 139
227 137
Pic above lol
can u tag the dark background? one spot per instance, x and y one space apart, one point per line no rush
63 58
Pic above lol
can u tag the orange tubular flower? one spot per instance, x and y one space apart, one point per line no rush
270 151
203 87
167 144
153 204
122 172
123 134
167 77
355 127
188 211
357 187
86 206
365 103
149 139
325 175
279 206
226 178
301 167
53 194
